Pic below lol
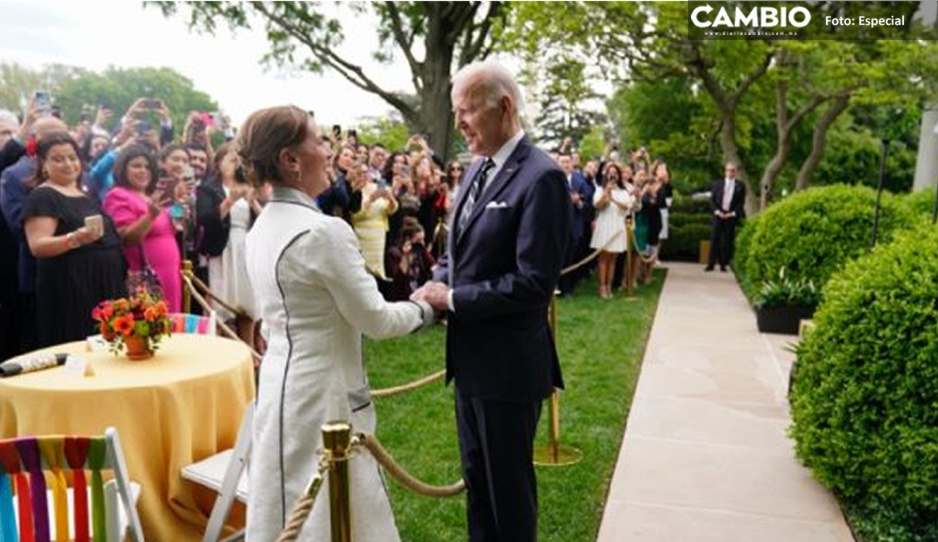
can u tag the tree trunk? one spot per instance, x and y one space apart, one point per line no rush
820 138
782 147
436 114
435 109
731 153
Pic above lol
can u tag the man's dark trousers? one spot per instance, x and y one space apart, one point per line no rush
509 426
722 237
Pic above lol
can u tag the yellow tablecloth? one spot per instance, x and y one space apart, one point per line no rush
180 406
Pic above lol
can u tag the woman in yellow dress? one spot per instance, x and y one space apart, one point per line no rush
371 224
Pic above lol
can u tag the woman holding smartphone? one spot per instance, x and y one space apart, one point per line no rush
371 222
140 211
78 250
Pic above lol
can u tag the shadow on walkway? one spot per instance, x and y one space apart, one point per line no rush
706 457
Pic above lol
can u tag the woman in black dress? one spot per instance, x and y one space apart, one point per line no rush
652 202
77 247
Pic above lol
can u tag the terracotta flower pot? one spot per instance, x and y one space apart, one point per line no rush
137 348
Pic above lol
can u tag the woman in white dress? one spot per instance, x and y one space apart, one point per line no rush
612 203
225 209
316 300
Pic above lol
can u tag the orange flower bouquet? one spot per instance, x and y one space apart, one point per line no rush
137 323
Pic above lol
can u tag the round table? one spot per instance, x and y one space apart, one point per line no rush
179 407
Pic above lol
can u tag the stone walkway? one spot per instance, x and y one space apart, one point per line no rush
705 456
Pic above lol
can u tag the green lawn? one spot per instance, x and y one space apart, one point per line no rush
601 346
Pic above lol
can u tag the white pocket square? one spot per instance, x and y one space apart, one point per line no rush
497 205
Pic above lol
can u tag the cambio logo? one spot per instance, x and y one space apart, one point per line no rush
758 17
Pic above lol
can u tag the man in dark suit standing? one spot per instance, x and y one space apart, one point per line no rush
508 237
581 198
727 202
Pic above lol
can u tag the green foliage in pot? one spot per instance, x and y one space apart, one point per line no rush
785 290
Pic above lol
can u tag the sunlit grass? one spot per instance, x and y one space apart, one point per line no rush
601 345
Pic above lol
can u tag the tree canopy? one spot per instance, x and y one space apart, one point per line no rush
434 38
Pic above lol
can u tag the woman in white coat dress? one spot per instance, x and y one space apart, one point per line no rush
315 299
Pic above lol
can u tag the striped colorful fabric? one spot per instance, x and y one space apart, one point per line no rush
191 324
179 323
29 457
76 453
52 450
32 457
97 454
7 519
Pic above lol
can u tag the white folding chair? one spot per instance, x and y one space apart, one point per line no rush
225 474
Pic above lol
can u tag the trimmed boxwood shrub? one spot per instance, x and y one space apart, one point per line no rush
744 236
688 224
865 395
814 232
920 202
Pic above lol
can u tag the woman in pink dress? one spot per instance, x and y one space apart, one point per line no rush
143 221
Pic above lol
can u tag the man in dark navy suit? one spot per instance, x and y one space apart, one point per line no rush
727 202
508 237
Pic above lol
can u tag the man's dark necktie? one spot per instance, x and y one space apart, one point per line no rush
475 190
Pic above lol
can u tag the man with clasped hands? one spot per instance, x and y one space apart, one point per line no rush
508 237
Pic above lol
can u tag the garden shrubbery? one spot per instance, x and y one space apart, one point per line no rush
812 233
865 397
688 224
921 202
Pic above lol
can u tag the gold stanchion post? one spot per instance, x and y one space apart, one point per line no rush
555 454
336 439
186 294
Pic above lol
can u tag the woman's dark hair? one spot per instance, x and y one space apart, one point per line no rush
619 180
129 153
409 231
388 172
264 134
171 148
86 148
43 146
450 181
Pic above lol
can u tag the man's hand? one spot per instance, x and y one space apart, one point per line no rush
434 293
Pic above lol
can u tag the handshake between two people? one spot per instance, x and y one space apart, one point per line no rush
435 294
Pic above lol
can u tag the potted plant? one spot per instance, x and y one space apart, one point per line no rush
137 323
782 303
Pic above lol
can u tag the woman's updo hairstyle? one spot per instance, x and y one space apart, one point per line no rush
264 134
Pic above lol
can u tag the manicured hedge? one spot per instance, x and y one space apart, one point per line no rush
744 235
865 396
814 232
689 223
921 202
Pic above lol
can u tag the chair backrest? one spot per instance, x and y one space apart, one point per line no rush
24 463
193 324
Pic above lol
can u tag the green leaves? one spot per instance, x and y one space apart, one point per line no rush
813 233
865 400
786 291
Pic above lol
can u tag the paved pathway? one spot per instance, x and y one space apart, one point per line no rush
705 456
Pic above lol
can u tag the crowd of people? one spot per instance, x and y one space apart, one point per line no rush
141 201
357 242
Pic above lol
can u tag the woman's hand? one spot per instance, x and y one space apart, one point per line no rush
85 235
155 204
237 191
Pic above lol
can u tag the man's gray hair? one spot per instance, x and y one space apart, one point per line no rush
496 81
7 116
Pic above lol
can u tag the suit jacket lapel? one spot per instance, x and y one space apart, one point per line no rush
496 185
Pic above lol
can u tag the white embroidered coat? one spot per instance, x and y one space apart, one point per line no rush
316 299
